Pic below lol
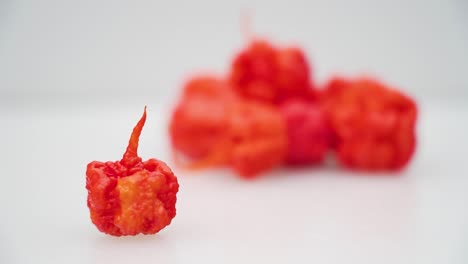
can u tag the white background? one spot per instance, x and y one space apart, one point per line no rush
74 76
61 50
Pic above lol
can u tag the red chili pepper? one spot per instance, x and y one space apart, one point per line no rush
198 123
374 125
309 134
258 137
269 74
253 72
131 196
215 130
200 119
292 74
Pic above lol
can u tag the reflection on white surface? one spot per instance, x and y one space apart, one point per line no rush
326 215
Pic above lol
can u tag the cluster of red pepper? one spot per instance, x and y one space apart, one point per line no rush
268 112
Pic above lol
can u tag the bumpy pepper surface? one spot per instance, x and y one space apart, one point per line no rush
269 74
214 130
257 137
131 196
374 125
309 134
200 119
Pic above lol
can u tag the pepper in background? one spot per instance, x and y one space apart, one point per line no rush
200 119
258 137
218 128
268 112
208 86
131 196
309 134
269 74
373 124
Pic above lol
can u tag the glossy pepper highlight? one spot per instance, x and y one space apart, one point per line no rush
131 196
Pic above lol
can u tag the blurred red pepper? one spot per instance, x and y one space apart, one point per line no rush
309 134
208 86
269 74
131 196
258 137
216 129
200 119
374 125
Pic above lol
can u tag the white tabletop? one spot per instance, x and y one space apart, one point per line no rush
289 215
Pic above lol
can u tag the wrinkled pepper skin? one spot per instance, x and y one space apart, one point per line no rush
309 134
374 125
131 196
258 138
214 130
200 119
198 123
265 73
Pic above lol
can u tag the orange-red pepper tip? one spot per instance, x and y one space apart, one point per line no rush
132 148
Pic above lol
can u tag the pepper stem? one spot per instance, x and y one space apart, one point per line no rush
131 154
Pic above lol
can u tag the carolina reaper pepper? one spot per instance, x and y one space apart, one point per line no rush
293 77
373 124
309 134
269 74
131 196
227 130
257 137
200 118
